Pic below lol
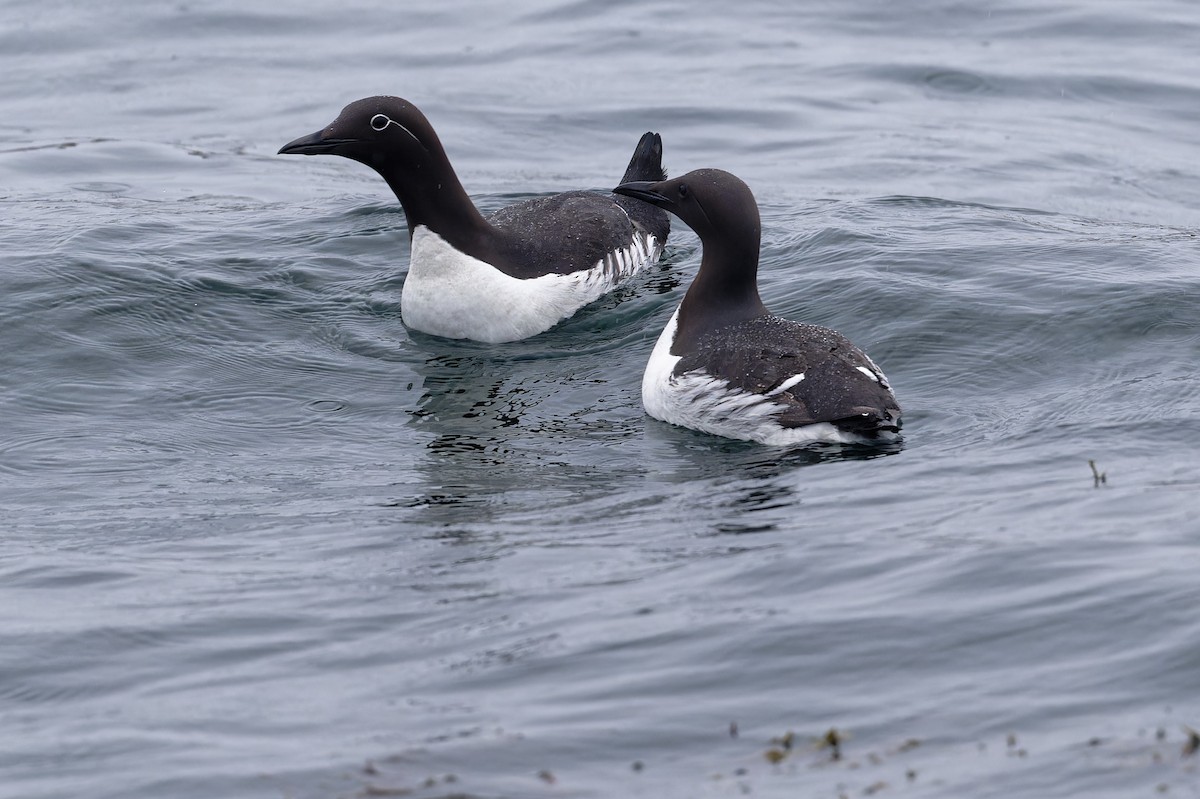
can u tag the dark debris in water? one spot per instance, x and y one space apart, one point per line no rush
832 740
784 746
860 771
881 771
380 784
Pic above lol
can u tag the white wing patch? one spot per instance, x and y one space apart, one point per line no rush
872 371
786 384
450 294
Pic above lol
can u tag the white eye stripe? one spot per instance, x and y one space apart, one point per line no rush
379 122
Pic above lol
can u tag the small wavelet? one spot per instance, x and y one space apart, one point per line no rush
101 187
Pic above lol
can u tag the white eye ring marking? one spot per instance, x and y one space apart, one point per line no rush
379 123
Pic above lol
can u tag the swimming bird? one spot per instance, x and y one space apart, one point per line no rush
511 275
725 365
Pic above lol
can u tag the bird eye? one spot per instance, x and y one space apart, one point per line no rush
380 121
683 191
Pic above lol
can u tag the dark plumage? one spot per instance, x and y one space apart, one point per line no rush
725 364
596 237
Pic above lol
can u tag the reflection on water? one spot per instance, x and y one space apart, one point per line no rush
464 387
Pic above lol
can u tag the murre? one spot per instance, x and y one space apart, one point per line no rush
725 365
516 273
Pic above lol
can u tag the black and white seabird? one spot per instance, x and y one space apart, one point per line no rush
516 273
725 365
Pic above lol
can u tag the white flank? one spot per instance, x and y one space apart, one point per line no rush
454 295
710 405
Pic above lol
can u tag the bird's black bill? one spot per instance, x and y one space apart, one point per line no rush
642 190
313 144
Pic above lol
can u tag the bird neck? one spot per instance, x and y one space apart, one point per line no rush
724 292
432 196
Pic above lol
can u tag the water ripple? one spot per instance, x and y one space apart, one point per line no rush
248 514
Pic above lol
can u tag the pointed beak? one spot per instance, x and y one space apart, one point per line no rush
643 190
315 144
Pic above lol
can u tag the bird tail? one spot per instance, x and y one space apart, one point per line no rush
646 163
870 422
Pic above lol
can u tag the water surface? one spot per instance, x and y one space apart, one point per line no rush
260 540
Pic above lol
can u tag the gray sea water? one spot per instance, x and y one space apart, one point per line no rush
260 541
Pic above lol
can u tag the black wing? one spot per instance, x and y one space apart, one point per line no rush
841 385
574 231
561 234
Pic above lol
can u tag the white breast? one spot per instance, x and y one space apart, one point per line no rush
450 294
701 402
